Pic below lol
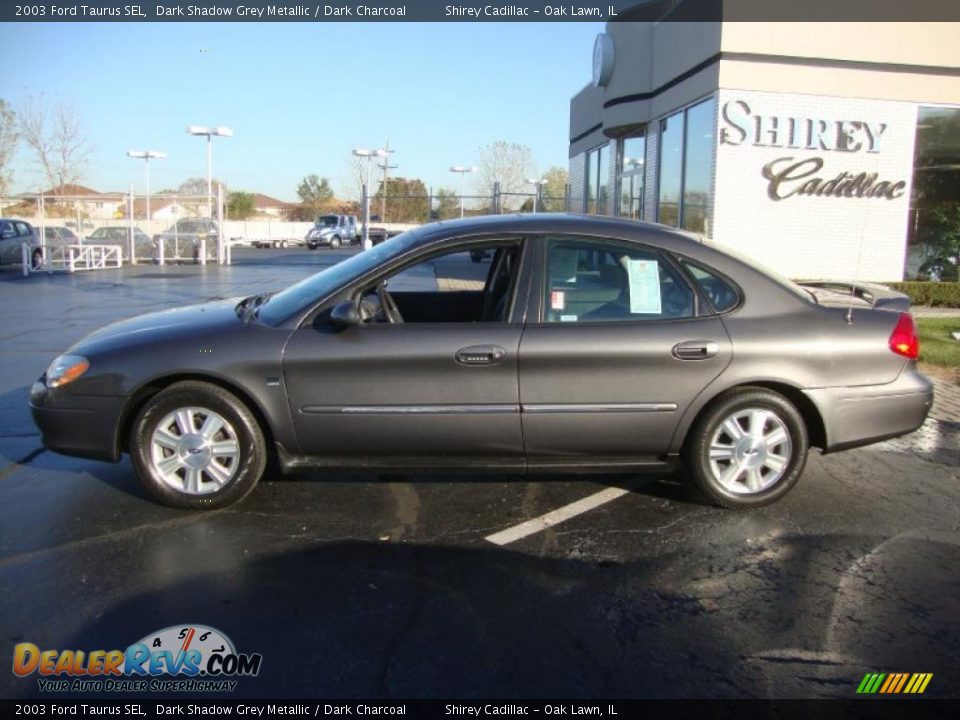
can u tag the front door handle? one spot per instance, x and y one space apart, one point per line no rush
480 355
695 350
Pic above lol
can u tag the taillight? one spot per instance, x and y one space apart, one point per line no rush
903 339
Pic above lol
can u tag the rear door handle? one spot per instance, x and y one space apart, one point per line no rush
695 350
480 355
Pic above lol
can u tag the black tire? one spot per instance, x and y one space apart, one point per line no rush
334 242
251 447
709 427
36 259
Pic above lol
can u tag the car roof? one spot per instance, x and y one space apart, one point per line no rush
561 223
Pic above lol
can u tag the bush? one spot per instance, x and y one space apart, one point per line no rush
930 294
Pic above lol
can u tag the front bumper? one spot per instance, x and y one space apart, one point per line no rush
857 416
81 425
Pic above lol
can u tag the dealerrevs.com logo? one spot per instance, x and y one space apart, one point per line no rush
185 658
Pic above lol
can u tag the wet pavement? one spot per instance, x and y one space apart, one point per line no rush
358 585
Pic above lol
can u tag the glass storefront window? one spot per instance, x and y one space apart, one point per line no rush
671 169
933 249
686 160
598 173
697 164
633 152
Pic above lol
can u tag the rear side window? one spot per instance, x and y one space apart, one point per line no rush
598 281
721 294
23 229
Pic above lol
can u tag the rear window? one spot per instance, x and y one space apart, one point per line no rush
719 293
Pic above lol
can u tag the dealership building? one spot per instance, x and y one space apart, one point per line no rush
823 150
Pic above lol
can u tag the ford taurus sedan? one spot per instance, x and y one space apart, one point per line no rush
578 343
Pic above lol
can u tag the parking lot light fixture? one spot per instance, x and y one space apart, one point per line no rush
147 156
463 170
369 155
209 132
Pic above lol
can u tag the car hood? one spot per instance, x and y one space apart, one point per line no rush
193 320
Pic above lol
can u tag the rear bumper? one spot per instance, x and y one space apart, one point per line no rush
857 416
84 426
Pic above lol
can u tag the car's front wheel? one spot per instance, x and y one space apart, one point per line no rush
747 449
195 445
334 242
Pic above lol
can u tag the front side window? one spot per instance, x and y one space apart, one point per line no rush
600 281
459 286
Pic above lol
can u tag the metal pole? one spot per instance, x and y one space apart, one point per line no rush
221 244
148 188
366 214
130 244
461 194
209 175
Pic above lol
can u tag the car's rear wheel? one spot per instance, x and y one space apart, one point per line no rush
747 449
195 445
334 242
36 259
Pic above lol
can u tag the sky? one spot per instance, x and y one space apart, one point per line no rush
298 96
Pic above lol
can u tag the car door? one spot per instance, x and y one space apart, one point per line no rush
615 352
444 389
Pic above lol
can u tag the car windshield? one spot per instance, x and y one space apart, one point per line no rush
328 221
306 292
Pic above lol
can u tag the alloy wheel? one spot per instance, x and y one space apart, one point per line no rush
750 451
195 450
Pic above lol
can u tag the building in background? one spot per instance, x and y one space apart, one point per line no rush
824 150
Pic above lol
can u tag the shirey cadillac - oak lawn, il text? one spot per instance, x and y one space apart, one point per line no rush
589 343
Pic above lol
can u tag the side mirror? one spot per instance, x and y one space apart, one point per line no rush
345 314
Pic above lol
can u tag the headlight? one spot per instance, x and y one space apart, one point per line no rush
65 369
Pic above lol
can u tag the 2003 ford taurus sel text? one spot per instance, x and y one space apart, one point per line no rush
579 343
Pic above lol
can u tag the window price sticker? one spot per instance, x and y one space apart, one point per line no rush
644 277
558 300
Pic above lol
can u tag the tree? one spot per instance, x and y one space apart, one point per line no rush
196 188
58 140
8 144
554 191
240 205
316 195
407 200
510 165
448 204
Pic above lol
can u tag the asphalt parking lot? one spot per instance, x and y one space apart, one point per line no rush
359 585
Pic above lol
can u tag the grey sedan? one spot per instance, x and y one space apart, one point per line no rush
579 343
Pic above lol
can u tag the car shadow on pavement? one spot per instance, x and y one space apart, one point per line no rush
377 620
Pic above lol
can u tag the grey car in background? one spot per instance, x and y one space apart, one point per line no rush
13 233
583 343
183 240
144 246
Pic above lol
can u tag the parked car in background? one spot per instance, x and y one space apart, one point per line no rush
183 239
144 247
13 233
334 231
592 343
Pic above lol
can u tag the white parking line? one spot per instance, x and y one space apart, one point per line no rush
555 517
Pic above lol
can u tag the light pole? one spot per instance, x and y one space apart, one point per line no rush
146 156
369 155
209 132
463 170
537 184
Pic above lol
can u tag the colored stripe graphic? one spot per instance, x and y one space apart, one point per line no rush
894 683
